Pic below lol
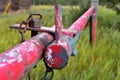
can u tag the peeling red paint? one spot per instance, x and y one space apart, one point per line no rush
19 60
56 56
16 62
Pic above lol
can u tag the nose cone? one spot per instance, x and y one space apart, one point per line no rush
56 56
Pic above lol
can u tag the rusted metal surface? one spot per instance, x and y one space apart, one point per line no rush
16 62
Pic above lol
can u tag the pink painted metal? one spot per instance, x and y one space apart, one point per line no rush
80 23
56 54
58 22
93 28
18 61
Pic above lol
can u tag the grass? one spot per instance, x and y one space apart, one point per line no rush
109 17
99 62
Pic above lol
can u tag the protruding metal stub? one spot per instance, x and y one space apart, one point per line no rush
22 31
58 21
73 42
22 37
46 74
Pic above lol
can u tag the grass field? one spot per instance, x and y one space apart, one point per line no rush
99 62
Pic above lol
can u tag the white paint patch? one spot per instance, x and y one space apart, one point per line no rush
49 57
24 43
15 55
2 65
11 61
49 54
12 54
41 36
19 58
3 60
31 47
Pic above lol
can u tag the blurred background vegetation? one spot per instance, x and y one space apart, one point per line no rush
83 6
100 62
109 3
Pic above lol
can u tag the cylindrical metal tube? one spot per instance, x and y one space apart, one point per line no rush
93 24
18 61
80 23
